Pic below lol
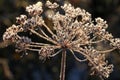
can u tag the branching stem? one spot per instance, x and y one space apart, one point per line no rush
48 39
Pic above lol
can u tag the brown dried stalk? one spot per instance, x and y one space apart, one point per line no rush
6 69
63 65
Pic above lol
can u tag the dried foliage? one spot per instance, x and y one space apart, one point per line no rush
74 30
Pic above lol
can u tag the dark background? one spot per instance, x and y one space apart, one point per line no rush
13 67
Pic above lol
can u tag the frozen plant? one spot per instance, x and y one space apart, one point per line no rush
73 30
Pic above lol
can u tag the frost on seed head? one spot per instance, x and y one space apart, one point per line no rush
69 33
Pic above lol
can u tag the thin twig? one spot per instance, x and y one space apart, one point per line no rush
95 42
35 43
44 34
50 40
39 46
77 57
56 53
49 30
107 51
30 49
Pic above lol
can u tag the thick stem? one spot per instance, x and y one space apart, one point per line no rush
63 65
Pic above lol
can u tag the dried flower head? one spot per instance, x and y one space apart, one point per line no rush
11 33
21 19
51 5
70 33
35 9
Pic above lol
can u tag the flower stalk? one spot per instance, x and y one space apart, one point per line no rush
63 65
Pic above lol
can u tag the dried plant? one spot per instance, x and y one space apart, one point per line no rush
73 30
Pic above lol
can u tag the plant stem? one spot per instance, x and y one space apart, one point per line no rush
63 65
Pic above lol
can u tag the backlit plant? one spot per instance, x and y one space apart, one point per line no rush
73 30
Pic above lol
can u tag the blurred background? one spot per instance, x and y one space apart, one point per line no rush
15 67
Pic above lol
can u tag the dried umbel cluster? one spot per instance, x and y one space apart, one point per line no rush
74 30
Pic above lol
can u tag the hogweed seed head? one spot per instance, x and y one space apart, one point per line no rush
70 33
35 9
11 32
21 19
21 43
51 5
